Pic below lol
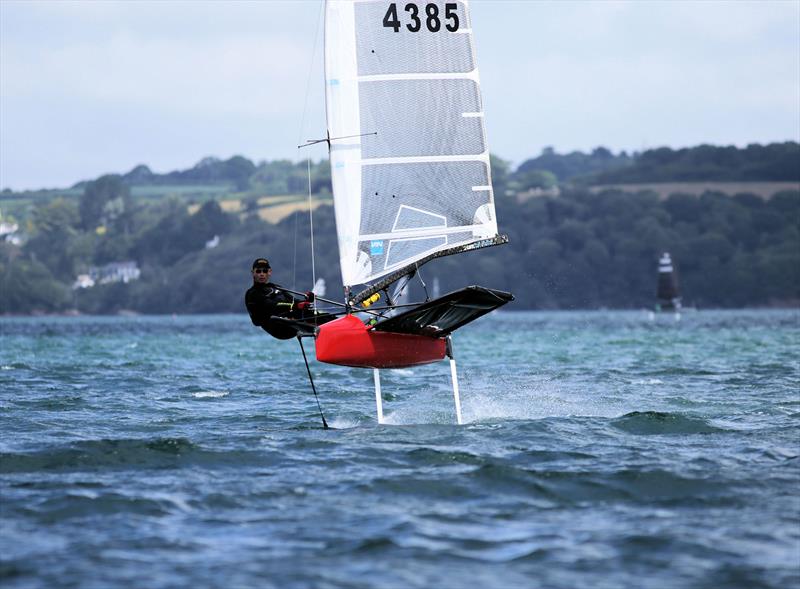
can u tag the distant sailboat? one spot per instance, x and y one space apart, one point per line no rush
668 296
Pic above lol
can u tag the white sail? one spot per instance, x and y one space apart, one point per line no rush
409 157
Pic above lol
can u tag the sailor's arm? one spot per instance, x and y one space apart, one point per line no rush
285 303
254 308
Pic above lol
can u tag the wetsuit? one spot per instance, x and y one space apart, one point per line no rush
269 300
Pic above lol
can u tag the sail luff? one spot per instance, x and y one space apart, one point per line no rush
477 79
341 89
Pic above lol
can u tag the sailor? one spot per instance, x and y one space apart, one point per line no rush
265 300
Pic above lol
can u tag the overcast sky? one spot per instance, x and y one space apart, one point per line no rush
93 87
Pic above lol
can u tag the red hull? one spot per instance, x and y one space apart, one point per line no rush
348 342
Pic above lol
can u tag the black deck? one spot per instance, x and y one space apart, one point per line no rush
444 315
289 328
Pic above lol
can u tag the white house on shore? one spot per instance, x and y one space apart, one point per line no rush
115 272
8 233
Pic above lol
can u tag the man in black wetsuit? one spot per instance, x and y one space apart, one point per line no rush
265 300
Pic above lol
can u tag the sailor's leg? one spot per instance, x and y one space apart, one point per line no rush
378 400
454 376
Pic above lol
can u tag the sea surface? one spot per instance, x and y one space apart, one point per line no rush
599 449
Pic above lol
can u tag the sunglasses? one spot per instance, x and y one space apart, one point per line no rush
260 270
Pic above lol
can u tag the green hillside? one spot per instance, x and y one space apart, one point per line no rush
192 234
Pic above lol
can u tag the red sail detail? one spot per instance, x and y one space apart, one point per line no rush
348 342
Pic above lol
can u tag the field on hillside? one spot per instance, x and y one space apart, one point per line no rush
271 208
19 205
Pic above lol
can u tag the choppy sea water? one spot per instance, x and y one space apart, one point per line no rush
599 450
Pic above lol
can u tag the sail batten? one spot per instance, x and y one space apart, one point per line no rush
473 75
419 159
421 232
417 180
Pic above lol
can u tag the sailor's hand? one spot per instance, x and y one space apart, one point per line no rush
310 296
304 305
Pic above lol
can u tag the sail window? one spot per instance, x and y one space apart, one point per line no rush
401 250
411 218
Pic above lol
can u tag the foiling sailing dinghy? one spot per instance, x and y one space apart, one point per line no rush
411 180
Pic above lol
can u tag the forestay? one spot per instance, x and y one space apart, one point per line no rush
409 158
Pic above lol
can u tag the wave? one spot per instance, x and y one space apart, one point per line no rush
682 371
127 453
210 394
84 505
551 488
559 486
15 366
484 550
344 422
661 423
431 457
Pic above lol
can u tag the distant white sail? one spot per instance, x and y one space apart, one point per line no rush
409 157
319 287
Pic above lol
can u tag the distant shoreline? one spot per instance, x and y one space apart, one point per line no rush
764 190
778 306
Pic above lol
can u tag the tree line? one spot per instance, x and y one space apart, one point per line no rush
576 250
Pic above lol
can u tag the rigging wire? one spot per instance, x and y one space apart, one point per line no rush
424 286
400 288
294 256
311 221
310 72
300 134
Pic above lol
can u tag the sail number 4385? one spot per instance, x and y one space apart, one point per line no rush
433 22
